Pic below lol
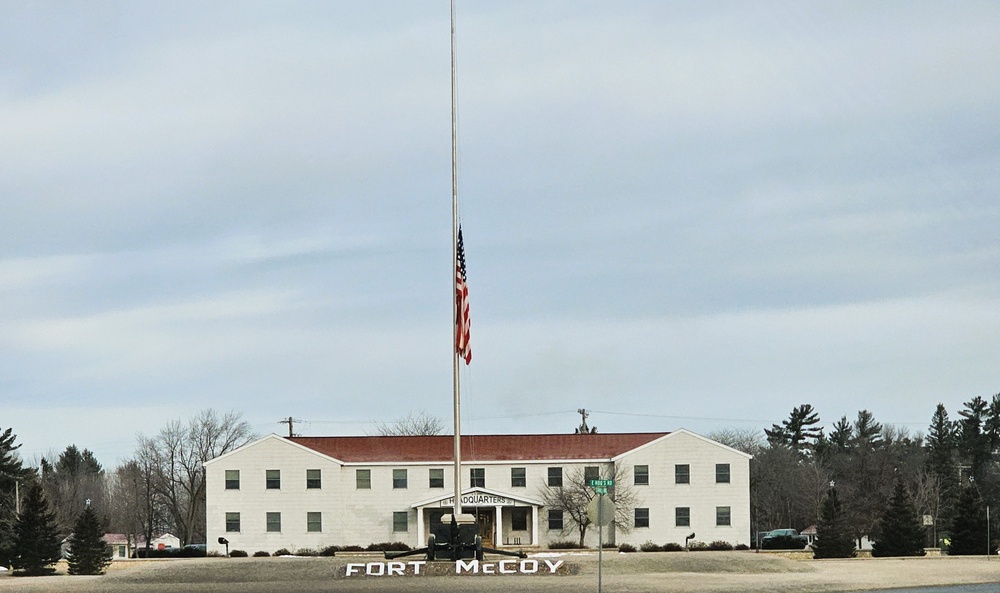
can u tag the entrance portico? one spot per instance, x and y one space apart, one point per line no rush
505 520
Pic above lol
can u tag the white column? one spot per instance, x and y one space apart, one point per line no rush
421 537
498 529
534 525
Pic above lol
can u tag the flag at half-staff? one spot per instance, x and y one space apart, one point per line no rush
461 304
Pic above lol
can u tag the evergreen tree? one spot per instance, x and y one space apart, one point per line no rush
799 431
36 538
12 473
969 531
902 533
973 442
833 534
88 552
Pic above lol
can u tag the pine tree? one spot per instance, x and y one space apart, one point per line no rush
833 534
902 533
36 538
88 552
969 531
12 474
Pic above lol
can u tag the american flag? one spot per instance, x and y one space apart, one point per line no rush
462 305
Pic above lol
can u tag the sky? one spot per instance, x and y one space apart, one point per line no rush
676 214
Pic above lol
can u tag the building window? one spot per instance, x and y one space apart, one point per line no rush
272 479
591 472
642 517
722 516
721 473
477 477
518 479
682 474
363 479
232 522
314 522
400 520
555 479
519 519
682 516
274 522
555 519
314 479
232 479
641 475
437 478
399 478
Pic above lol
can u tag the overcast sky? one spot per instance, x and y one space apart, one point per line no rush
693 215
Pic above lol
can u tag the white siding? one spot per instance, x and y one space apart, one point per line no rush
360 517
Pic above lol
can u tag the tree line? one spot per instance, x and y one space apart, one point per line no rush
160 488
951 475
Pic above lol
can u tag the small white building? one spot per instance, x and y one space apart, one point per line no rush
313 492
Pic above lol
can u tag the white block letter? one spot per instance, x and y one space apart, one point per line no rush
503 564
526 563
553 567
352 568
416 564
370 569
461 566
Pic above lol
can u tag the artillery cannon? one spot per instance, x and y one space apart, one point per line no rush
455 538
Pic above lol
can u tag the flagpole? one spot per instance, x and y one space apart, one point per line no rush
457 411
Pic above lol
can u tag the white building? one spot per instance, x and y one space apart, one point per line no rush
313 492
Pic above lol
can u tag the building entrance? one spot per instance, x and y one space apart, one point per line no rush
486 517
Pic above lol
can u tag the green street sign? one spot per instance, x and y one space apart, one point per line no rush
600 489
601 483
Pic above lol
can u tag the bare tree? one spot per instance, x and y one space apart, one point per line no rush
748 440
423 424
574 496
177 455
135 508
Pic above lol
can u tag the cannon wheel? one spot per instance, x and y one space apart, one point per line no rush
479 548
431 552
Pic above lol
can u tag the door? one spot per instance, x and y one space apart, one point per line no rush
486 518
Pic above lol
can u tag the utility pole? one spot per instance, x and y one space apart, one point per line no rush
291 424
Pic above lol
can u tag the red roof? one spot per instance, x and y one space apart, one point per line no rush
408 449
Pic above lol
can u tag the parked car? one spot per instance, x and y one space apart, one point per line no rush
783 539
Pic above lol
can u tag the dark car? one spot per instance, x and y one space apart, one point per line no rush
783 539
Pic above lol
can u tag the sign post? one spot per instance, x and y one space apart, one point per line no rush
603 517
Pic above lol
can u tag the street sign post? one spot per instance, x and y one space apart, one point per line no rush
601 511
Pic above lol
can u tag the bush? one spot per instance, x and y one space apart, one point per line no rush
564 545
649 546
261 554
783 542
330 551
626 548
672 547
741 547
237 554
697 546
720 546
352 548
388 547
282 552
306 552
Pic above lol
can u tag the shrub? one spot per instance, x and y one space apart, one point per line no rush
741 547
329 551
352 548
626 548
282 552
649 546
720 546
672 547
388 547
697 546
783 542
261 554
564 545
237 554
306 552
